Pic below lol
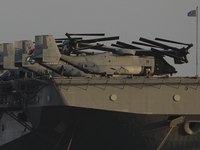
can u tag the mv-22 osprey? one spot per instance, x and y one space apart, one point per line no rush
125 60
54 64
13 58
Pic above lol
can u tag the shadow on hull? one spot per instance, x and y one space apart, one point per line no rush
63 127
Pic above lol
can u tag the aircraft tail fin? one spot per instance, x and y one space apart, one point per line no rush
1 56
27 47
9 56
22 49
18 53
46 49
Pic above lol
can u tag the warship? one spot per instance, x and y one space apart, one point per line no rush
128 108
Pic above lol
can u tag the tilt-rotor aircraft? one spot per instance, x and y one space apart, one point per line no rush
26 47
52 62
13 57
126 59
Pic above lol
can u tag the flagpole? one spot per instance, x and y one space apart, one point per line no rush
197 41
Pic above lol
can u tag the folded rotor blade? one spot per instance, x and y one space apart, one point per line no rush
119 46
164 40
100 39
144 44
167 54
128 45
63 39
165 47
102 48
88 34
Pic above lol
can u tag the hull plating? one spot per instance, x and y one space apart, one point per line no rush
62 127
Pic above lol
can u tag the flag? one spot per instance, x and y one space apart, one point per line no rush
192 13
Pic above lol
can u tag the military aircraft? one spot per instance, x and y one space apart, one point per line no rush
126 60
66 69
7 63
41 43
13 60
14 57
24 48
7 56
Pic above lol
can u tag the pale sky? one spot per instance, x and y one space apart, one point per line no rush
129 19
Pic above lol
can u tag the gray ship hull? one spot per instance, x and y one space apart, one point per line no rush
99 129
140 114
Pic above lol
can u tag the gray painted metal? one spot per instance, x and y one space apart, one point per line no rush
10 129
9 56
47 49
149 101
107 63
148 107
134 95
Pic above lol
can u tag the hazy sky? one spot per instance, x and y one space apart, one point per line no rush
130 19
